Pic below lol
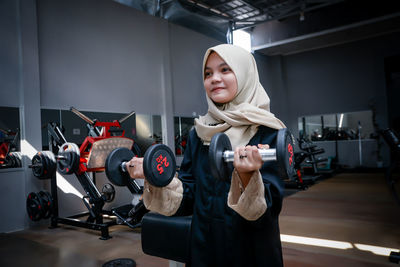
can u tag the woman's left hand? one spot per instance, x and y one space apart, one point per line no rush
247 160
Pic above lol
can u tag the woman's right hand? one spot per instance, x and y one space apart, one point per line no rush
135 167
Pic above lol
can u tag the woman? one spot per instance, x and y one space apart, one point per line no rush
235 222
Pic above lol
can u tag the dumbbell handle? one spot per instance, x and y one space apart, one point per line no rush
132 182
123 166
266 155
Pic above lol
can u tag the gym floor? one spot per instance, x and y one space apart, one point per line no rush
347 220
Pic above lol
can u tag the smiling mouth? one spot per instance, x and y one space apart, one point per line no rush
217 89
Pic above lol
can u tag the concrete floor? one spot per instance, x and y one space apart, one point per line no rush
347 211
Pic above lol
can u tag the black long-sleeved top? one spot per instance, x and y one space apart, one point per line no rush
220 236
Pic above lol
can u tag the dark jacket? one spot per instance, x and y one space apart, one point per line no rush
220 236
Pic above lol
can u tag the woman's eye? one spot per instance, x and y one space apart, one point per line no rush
225 69
207 74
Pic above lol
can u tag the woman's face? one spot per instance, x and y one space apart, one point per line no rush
219 80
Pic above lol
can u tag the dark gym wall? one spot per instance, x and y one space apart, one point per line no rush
187 81
100 56
343 78
19 87
9 57
336 79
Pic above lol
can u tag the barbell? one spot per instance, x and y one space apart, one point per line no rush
221 155
45 163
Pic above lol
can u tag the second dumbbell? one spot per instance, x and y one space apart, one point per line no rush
221 155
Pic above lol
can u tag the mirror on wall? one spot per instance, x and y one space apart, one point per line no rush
148 131
182 126
145 130
10 155
340 126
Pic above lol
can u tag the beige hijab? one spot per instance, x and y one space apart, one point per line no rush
240 118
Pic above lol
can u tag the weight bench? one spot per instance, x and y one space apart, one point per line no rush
166 237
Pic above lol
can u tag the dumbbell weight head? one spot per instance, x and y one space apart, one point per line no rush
219 168
159 165
113 163
285 154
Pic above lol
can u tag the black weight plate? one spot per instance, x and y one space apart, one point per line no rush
108 191
15 159
113 166
219 168
46 163
51 163
77 156
34 207
49 203
71 155
159 165
46 200
38 171
19 158
285 154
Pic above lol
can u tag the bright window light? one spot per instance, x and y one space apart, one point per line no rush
242 39
341 120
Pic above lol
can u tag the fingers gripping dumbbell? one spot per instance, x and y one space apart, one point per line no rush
158 165
221 155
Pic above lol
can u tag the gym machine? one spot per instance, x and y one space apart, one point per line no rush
67 158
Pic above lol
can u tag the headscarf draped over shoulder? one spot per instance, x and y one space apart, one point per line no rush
240 118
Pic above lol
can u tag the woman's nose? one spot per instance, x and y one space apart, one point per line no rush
216 77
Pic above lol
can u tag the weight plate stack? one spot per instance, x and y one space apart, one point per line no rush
34 207
69 157
47 201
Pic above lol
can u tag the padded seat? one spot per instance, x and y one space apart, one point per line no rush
166 237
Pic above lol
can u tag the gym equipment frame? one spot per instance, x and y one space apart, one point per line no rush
79 161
